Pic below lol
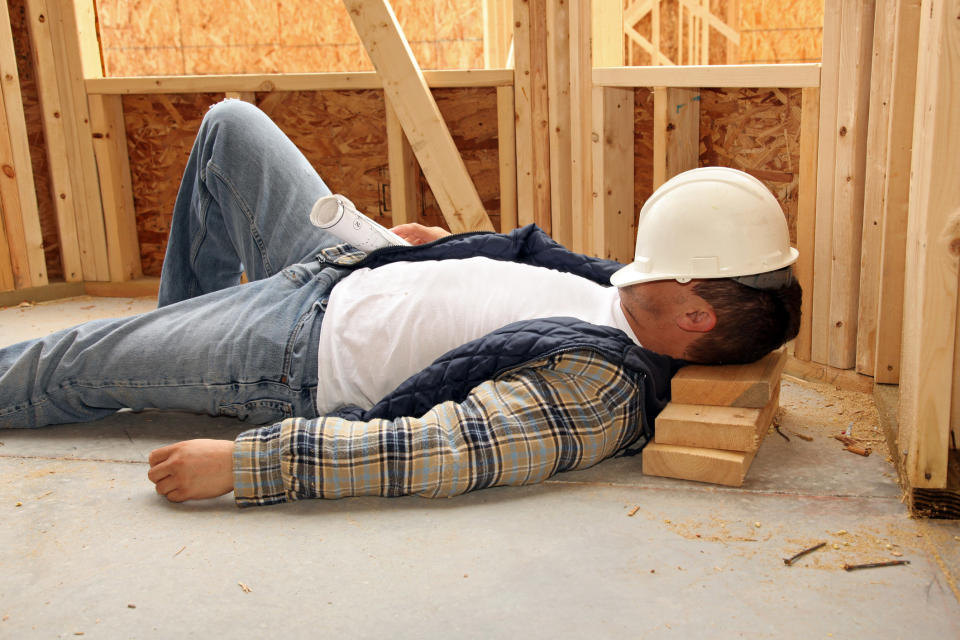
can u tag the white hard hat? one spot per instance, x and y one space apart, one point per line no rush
711 222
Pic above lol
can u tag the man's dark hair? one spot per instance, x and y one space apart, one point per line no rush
750 322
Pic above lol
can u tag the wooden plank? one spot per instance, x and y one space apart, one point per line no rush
113 165
559 108
55 138
49 291
408 93
404 172
826 165
896 198
613 207
851 156
581 145
807 214
507 155
694 76
933 238
712 427
497 32
736 385
676 132
877 128
290 82
19 200
532 113
847 379
714 466
607 20
246 96
6 268
71 57
138 288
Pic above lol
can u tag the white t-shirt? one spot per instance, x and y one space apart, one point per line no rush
384 325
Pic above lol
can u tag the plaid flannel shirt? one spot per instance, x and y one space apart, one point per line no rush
566 411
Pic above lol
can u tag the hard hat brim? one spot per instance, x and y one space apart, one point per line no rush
634 274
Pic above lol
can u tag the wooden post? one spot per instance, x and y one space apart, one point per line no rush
55 137
533 140
116 189
559 108
581 146
613 210
406 89
933 245
19 200
403 172
826 164
807 214
676 132
71 28
497 32
896 198
877 128
852 106
507 154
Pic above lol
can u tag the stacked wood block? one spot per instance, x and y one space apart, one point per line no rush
715 422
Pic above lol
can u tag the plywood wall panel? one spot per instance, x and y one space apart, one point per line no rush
343 134
160 132
33 115
471 116
642 148
757 131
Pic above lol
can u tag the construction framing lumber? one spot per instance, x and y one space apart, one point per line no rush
404 171
16 178
581 106
54 138
507 154
290 82
933 252
807 214
716 427
700 464
737 385
561 122
896 196
497 32
116 190
532 113
407 90
676 132
614 228
826 165
73 62
856 51
783 76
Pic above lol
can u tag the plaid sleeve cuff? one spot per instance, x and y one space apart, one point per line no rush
257 478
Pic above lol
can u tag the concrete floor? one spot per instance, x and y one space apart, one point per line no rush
86 547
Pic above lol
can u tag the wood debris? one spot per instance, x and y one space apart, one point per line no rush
244 587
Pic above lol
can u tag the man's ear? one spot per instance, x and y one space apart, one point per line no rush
698 320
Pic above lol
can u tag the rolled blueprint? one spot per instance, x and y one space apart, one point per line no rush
337 215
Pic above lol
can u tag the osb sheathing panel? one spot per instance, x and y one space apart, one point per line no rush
471 116
160 132
642 148
757 131
144 37
33 115
341 133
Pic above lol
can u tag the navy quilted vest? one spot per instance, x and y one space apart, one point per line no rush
453 375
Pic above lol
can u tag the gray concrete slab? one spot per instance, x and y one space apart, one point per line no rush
87 547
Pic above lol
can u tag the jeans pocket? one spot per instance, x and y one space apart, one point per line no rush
258 411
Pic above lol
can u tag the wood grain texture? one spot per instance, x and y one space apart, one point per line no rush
727 428
741 385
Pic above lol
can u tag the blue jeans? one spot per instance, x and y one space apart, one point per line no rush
212 346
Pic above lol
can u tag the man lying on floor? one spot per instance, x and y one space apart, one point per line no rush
463 362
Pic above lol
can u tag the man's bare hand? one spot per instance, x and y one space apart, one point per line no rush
418 234
193 469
